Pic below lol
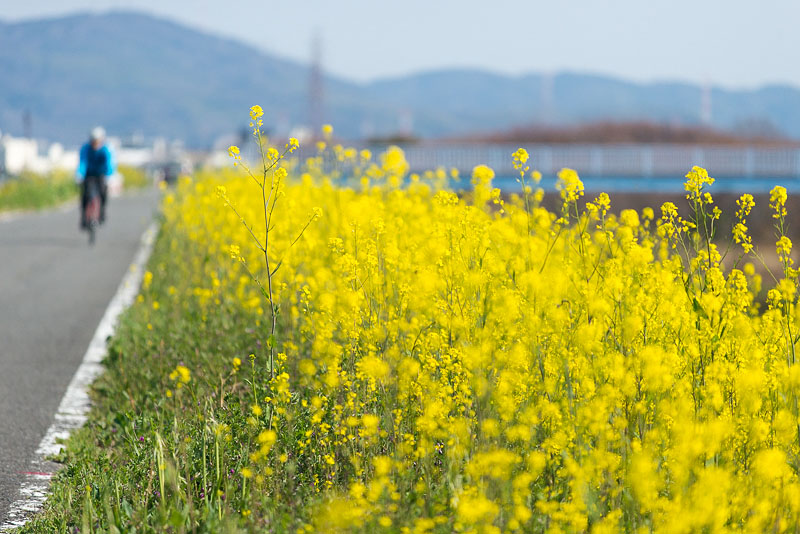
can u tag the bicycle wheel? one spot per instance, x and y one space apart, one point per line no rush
92 215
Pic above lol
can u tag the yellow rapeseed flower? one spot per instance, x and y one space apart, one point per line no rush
256 112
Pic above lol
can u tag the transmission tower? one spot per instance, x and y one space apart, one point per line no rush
547 98
27 124
315 90
705 104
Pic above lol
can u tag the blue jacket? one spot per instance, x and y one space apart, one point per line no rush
98 162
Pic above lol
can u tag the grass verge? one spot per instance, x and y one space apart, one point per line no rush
137 465
31 191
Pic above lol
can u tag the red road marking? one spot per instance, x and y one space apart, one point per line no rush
39 473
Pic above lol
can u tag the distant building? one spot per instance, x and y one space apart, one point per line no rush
18 155
132 154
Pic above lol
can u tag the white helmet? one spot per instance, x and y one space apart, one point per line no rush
97 133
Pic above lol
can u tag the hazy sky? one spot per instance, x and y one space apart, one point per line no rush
733 43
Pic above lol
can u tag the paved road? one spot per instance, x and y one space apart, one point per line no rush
54 289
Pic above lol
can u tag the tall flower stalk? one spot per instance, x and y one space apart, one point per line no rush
269 180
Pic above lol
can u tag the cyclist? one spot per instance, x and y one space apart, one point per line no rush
96 163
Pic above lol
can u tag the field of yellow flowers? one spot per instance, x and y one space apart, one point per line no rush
392 357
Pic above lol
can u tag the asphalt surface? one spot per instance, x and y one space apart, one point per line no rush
54 289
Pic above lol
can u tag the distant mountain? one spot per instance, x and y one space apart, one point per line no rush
478 101
135 73
130 71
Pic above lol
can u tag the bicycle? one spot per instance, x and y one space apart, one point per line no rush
92 212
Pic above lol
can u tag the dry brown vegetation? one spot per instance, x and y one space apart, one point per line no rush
626 132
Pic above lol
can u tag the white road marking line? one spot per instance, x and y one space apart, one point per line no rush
74 408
